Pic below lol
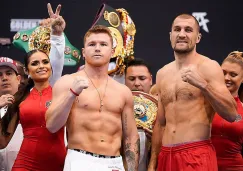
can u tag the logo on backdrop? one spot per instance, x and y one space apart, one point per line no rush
200 16
23 24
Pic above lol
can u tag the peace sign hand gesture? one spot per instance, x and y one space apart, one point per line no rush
56 21
51 13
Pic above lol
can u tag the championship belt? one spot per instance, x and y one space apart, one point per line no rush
145 110
122 30
39 38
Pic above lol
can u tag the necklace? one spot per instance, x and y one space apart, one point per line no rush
101 99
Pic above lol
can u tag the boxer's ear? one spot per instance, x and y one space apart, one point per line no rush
199 37
83 53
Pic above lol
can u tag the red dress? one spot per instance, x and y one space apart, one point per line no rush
227 139
40 149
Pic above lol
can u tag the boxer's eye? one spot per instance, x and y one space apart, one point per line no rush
188 29
103 44
91 44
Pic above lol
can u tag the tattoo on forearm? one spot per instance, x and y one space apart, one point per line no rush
125 122
132 154
137 147
130 157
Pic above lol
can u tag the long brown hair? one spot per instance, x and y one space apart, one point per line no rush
19 96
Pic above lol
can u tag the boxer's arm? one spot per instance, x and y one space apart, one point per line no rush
158 129
130 133
57 56
157 136
62 101
216 92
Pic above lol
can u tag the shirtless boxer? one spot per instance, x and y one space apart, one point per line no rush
191 89
97 111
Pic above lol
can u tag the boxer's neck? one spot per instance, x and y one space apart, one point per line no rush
184 60
97 72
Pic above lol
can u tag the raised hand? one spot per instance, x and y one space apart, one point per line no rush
46 22
51 13
190 75
79 83
6 100
56 22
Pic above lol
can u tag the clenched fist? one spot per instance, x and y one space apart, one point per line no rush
6 100
79 83
191 75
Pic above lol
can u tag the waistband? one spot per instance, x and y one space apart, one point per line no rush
186 145
95 155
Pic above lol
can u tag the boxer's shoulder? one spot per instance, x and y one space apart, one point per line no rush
166 73
206 61
63 83
208 65
167 68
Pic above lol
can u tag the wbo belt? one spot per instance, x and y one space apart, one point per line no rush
95 155
145 110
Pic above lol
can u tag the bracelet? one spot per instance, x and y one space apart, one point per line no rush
76 94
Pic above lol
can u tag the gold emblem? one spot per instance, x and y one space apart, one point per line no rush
117 42
40 39
131 29
67 50
126 50
112 18
145 110
25 37
123 46
16 36
75 54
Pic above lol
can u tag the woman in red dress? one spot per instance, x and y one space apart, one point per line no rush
227 137
40 149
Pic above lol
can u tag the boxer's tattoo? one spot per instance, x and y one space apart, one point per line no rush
130 157
132 152
131 146
137 147
125 123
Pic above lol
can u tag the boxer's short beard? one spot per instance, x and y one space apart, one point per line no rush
183 51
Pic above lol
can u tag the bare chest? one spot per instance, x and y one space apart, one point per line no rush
173 89
93 100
